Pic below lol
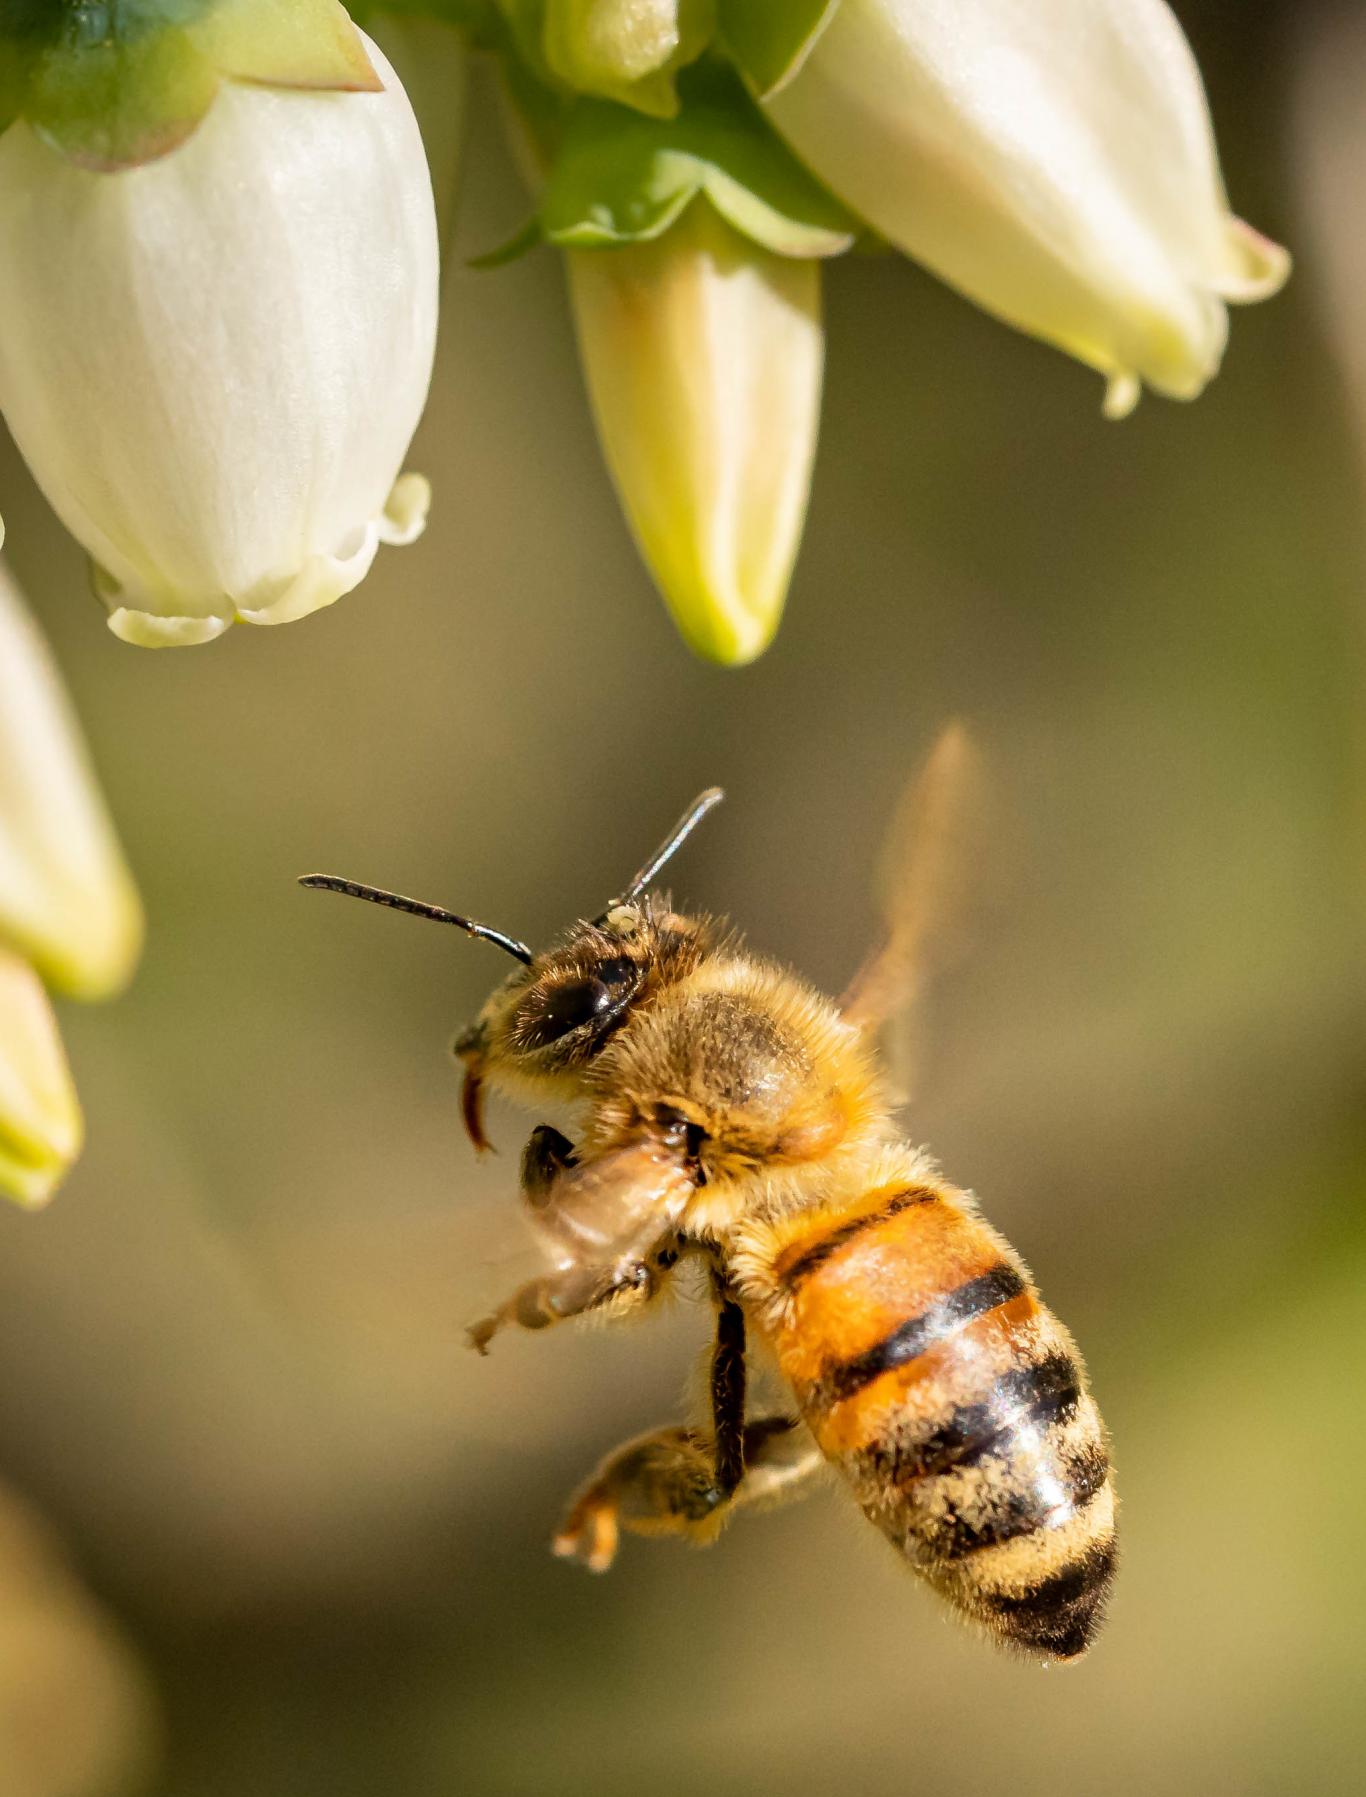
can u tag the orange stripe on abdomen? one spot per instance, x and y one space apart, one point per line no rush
955 1404
846 1414
849 1283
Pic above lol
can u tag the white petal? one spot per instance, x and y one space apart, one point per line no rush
1053 159
40 1120
703 354
214 363
66 897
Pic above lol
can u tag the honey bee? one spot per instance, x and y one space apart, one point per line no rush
734 1117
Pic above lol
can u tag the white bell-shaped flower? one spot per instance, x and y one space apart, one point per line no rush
703 353
67 900
1052 159
214 363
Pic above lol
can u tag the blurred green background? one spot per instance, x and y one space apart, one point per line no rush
234 1376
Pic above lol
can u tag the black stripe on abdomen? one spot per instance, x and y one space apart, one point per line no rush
1023 1501
819 1252
1025 1397
910 1339
1060 1614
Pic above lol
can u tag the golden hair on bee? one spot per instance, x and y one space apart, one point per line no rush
735 1119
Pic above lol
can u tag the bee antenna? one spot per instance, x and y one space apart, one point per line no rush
396 902
682 830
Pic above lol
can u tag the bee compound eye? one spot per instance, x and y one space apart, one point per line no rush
568 1008
577 1003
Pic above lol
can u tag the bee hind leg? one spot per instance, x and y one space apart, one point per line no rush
665 1483
682 1481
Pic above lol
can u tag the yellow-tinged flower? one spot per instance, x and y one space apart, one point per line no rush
214 363
1053 159
68 907
40 1119
67 900
703 353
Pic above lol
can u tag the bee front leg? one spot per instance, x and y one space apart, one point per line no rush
570 1292
546 1156
611 1219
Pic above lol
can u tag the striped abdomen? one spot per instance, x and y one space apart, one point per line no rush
953 1401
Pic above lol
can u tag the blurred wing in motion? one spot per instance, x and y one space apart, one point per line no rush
922 884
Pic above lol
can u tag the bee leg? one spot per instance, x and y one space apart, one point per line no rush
546 1156
665 1484
781 1461
612 1220
679 1482
659 1484
555 1297
728 1381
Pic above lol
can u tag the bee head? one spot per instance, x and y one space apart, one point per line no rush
543 1026
540 1031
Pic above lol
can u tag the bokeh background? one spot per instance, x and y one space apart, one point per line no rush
297 1531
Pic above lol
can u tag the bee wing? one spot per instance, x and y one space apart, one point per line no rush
922 883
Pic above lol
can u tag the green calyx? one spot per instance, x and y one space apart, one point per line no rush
113 83
617 176
631 51
769 40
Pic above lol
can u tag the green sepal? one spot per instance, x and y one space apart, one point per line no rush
769 40
620 177
114 84
113 104
307 43
86 23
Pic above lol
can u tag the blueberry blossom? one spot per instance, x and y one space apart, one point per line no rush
213 355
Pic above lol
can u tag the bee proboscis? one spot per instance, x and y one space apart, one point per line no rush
734 1118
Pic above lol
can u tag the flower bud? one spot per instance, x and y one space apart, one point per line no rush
703 354
1053 159
67 900
40 1120
214 363
626 50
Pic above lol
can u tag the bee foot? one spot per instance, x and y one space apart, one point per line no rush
590 1535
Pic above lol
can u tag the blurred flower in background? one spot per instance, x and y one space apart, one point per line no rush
218 309
218 296
76 1716
1330 123
68 908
